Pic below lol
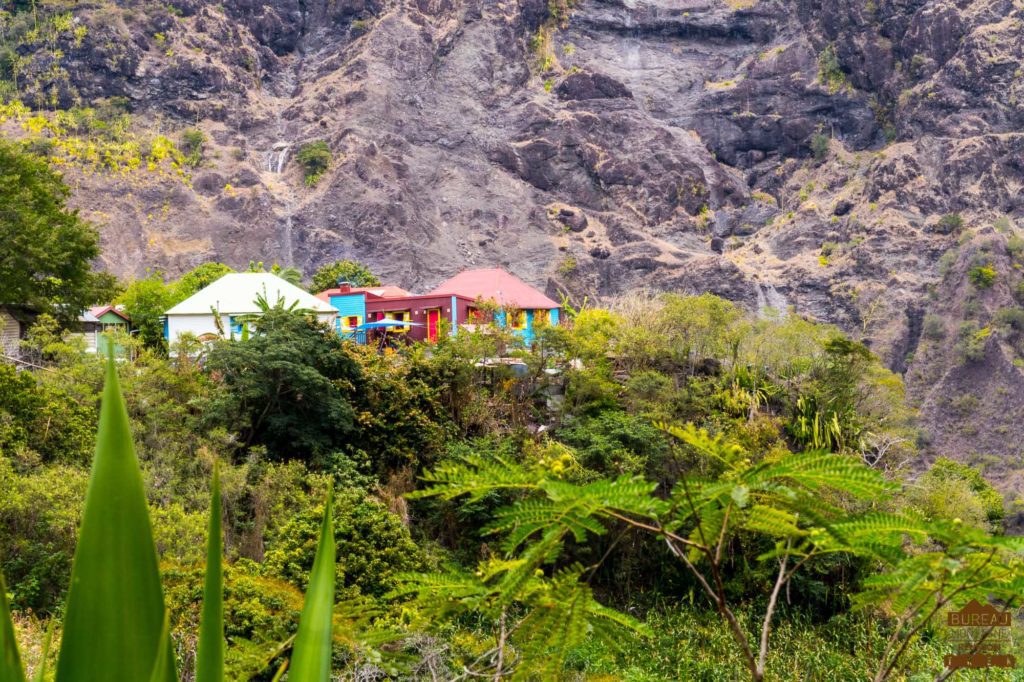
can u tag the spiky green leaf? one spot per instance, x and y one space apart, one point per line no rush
210 653
10 662
311 656
115 608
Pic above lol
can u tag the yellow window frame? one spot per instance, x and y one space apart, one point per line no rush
399 316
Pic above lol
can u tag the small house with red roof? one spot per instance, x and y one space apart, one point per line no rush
459 301
520 307
97 326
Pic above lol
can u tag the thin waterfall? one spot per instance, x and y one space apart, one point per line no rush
277 158
770 303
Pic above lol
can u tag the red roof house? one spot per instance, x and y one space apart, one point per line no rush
494 284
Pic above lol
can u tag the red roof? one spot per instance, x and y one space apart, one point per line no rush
496 285
101 310
383 291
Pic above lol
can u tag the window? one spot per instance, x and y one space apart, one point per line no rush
236 326
350 322
517 319
477 316
399 316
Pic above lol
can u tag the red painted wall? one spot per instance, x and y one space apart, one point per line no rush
418 306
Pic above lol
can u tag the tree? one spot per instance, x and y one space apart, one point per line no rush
198 278
353 272
288 273
373 545
284 387
45 248
791 510
145 301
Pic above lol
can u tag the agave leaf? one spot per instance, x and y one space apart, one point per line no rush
164 654
311 656
210 655
10 662
115 607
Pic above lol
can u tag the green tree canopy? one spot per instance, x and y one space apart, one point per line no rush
45 248
145 301
198 278
285 386
345 271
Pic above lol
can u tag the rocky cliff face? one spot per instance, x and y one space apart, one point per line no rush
805 153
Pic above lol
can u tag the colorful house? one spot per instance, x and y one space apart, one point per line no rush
98 323
361 310
457 302
520 307
233 297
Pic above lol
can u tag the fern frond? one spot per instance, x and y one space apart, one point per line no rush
700 440
528 517
878 529
632 494
772 521
476 476
562 616
815 470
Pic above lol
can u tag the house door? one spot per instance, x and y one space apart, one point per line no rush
433 324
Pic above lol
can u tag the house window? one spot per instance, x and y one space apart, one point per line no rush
236 325
477 316
399 316
517 319
350 322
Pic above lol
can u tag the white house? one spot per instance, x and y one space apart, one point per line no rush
233 296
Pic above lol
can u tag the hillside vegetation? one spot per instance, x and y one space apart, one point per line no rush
636 488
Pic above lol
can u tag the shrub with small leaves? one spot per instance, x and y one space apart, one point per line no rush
315 159
971 341
982 276
830 71
1015 247
1010 318
951 223
819 146
192 142
934 327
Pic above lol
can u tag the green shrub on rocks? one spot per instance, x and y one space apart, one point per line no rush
951 223
315 159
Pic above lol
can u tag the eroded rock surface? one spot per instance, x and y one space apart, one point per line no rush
800 151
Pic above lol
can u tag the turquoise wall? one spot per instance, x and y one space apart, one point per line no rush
527 334
348 305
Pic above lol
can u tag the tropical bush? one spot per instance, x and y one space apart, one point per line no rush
315 159
353 272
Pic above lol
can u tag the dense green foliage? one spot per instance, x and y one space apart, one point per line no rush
315 159
613 543
45 248
353 272
284 388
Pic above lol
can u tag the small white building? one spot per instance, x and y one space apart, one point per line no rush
11 331
232 296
